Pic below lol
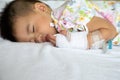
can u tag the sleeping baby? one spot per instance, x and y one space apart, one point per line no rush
73 25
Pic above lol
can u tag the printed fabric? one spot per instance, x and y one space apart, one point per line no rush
75 15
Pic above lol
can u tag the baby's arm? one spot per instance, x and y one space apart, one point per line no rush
64 39
106 28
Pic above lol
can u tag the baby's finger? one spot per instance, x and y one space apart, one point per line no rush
52 39
64 32
53 42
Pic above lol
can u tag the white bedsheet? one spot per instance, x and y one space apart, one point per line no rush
31 61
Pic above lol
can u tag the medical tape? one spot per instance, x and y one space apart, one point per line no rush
97 40
96 36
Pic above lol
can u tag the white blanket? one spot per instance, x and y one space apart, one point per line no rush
32 61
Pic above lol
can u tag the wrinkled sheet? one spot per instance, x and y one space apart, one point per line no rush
42 61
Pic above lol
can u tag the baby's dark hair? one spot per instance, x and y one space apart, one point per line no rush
10 12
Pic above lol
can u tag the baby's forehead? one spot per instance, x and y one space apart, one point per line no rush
20 29
19 22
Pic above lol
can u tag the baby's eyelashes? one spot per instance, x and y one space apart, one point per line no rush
33 29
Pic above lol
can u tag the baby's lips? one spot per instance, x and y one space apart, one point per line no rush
41 38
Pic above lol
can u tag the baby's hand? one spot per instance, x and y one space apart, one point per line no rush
64 32
52 38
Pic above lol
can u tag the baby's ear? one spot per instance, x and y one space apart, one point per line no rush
40 7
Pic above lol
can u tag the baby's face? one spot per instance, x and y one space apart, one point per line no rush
33 28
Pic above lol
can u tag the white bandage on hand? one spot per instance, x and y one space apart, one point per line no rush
98 41
77 40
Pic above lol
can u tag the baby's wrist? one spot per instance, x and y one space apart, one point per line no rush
72 40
